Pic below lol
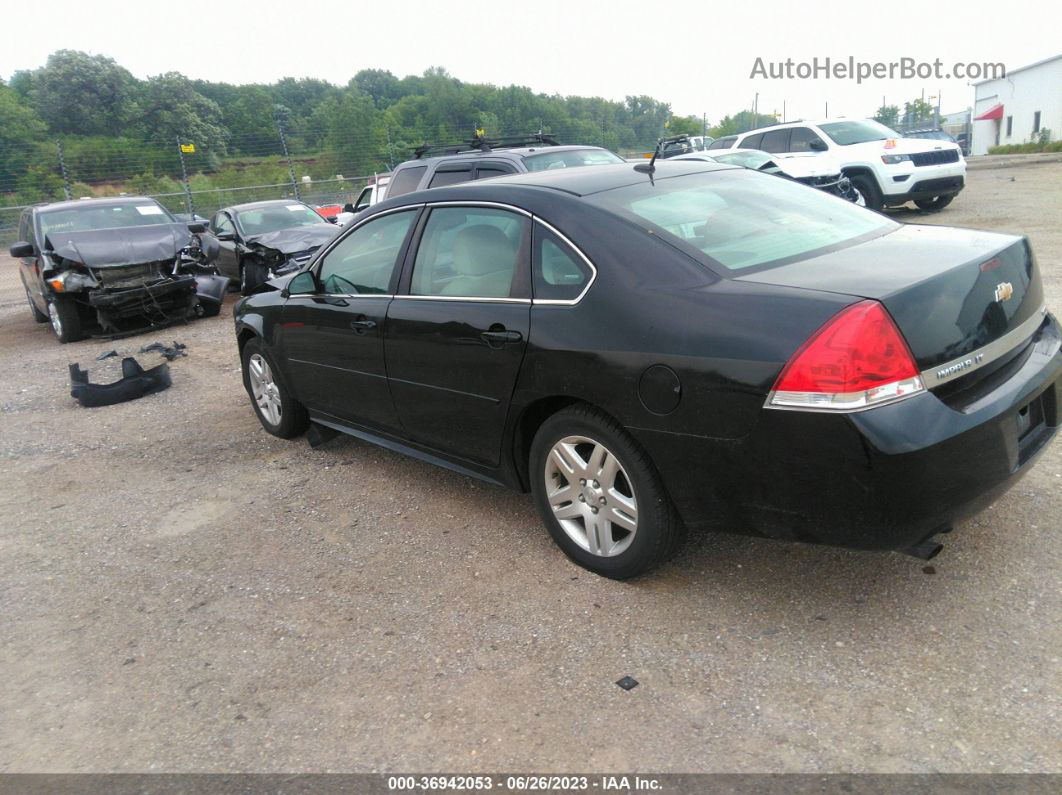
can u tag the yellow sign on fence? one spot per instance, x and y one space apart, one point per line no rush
188 149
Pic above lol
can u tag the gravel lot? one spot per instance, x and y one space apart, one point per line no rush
180 591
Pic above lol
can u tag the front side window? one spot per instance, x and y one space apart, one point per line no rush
570 158
470 252
846 133
743 219
89 217
276 217
363 262
221 224
558 273
801 139
364 199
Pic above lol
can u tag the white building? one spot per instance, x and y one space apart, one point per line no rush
1013 109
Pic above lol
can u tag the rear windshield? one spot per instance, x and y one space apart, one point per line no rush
90 217
744 219
569 158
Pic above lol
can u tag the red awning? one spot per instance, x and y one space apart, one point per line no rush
992 113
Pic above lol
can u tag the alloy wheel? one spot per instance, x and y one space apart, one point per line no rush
264 388
591 496
57 322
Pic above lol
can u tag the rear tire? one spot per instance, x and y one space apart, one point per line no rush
38 315
66 321
868 189
936 204
279 412
600 496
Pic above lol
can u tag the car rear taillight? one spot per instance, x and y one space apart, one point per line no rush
857 360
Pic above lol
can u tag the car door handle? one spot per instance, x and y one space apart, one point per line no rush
502 337
362 325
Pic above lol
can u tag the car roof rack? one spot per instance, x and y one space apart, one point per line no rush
480 143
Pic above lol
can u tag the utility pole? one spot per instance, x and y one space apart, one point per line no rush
184 180
783 111
391 151
704 125
62 167
287 155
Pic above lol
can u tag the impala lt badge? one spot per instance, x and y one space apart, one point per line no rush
1004 291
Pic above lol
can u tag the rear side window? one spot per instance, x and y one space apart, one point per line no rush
775 141
723 143
364 261
752 142
405 181
558 273
488 170
743 219
470 252
450 177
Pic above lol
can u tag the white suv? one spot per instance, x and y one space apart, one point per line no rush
887 169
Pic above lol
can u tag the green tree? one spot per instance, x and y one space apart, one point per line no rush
171 107
888 115
21 133
83 94
917 110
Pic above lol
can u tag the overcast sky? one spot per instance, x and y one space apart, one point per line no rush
696 56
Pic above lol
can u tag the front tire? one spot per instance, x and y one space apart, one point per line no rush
66 321
868 189
936 204
600 496
279 412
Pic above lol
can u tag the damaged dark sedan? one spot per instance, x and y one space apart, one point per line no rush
112 267
254 242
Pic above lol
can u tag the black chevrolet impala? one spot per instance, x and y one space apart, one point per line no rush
694 345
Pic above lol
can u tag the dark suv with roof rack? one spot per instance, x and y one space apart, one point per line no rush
480 158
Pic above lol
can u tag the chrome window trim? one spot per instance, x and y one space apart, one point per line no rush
975 360
478 203
479 299
577 250
317 261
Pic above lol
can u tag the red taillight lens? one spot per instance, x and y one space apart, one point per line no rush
857 360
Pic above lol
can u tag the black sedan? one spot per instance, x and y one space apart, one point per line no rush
695 345
251 243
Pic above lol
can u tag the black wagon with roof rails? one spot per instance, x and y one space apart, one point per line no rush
257 241
669 345
483 158
112 266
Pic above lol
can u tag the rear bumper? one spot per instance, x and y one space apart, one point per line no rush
886 478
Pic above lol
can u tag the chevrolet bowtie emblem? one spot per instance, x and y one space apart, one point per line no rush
1004 291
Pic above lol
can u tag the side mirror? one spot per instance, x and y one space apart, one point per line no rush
304 283
22 249
196 228
816 145
225 236
348 208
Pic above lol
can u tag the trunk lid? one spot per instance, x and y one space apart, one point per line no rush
963 299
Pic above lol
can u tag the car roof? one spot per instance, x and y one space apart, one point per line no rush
512 154
587 180
262 205
108 201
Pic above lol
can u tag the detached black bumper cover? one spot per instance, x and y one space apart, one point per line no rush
927 189
135 382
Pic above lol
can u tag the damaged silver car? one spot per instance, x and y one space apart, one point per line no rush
112 267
